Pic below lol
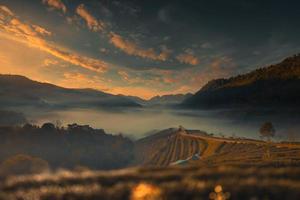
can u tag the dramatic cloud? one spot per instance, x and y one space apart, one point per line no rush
73 79
124 75
136 78
131 48
41 30
56 4
79 79
6 10
188 58
32 36
85 62
49 62
92 22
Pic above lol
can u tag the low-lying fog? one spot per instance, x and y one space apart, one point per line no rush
140 122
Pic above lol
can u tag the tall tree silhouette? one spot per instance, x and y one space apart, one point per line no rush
267 130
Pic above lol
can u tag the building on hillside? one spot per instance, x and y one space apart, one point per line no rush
194 157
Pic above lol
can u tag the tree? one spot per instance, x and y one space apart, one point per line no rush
267 130
48 126
28 127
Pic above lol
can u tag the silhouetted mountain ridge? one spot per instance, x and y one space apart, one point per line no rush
276 85
18 90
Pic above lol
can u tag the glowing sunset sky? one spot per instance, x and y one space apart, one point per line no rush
143 48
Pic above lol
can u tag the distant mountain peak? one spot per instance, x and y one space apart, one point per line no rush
168 99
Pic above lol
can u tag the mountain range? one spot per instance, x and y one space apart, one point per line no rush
163 100
273 86
18 91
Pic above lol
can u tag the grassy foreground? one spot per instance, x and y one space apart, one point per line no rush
267 181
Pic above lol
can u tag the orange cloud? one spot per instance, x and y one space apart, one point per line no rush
169 80
56 4
6 10
79 80
188 58
124 75
92 22
31 35
41 30
49 62
85 62
131 48
132 77
75 79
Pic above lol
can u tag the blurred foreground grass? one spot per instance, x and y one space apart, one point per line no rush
267 181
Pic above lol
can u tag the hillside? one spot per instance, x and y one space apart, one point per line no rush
276 85
71 147
171 145
16 91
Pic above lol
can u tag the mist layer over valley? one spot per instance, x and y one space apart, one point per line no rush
140 122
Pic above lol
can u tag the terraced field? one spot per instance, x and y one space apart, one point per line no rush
166 147
171 145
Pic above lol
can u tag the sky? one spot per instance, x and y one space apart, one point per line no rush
144 48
